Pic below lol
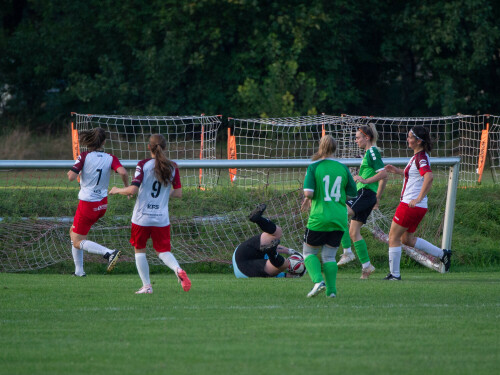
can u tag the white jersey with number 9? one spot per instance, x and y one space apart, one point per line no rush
151 206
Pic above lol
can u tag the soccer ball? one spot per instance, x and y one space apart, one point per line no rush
297 266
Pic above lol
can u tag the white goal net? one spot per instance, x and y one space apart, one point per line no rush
37 204
188 138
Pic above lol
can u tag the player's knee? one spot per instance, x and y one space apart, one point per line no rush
328 253
277 261
350 212
408 239
278 233
394 240
309 250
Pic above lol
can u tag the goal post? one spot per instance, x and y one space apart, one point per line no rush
207 224
187 137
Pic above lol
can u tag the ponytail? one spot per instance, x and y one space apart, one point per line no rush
371 132
164 168
421 133
327 146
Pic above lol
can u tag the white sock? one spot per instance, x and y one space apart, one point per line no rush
429 248
169 259
348 251
94 248
78 259
366 265
395 260
141 262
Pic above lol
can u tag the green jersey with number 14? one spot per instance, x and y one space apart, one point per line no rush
331 182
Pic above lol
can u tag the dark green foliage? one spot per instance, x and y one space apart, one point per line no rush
247 58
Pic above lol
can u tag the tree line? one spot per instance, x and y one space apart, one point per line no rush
247 58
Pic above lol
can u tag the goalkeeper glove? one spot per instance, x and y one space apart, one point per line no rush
294 252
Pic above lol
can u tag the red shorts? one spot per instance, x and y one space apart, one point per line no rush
409 217
87 214
160 236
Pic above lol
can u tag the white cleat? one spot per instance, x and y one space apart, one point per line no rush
365 274
317 289
346 258
146 289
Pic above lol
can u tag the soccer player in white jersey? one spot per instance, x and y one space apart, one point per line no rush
156 180
371 183
413 205
94 168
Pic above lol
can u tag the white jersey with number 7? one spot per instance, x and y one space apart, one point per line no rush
95 168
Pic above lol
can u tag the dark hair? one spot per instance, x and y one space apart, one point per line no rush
93 139
370 131
164 168
422 134
327 146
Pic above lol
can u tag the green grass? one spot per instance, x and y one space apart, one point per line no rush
426 324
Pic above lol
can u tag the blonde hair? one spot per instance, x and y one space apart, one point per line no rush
327 146
164 168
371 132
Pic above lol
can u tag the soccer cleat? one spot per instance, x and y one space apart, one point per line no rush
446 259
74 274
146 289
317 289
273 244
256 214
112 259
346 258
366 272
184 279
391 277
331 295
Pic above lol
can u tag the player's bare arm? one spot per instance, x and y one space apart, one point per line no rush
176 193
426 187
379 176
124 175
380 190
306 203
392 169
72 176
129 190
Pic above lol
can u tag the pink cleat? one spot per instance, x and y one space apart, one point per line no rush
184 279
146 289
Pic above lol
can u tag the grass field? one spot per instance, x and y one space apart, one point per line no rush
427 324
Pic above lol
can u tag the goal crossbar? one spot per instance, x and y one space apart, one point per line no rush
220 163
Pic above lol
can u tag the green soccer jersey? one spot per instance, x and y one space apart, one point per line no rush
331 182
372 164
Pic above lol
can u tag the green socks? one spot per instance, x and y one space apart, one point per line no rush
361 250
313 266
346 240
331 277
